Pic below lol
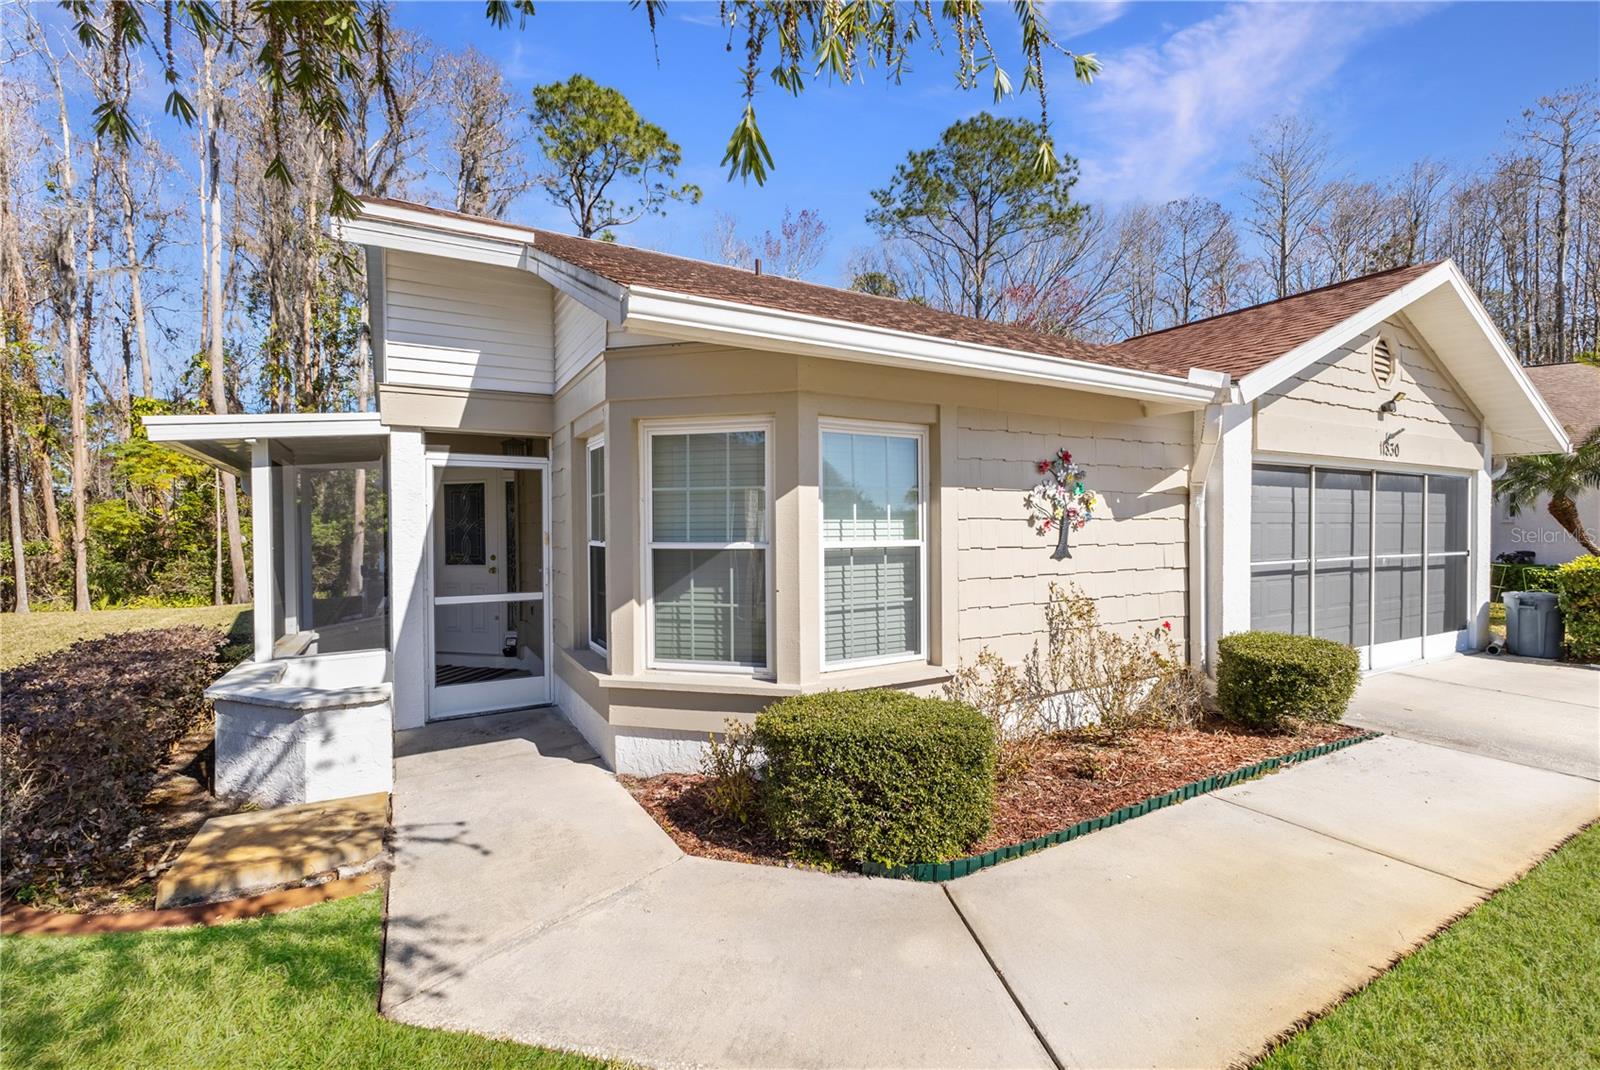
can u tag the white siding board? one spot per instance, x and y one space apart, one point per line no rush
471 326
1132 561
580 335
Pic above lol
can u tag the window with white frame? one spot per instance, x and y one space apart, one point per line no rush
873 544
708 551
598 614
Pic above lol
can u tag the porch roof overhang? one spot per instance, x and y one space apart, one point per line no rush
1442 307
226 441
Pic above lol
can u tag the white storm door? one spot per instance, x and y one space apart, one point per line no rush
490 572
469 536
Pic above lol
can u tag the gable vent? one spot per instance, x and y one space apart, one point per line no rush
1383 362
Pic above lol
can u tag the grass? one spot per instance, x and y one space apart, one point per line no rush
1512 984
32 635
294 990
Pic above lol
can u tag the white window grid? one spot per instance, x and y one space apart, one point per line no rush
597 507
867 427
649 544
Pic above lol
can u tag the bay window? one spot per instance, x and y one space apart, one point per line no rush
873 544
708 553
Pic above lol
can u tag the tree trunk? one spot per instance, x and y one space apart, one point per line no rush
1565 511
135 284
13 471
212 167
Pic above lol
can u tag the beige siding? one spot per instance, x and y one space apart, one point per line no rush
468 326
1131 561
580 335
1331 409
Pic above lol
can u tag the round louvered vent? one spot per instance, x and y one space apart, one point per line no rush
1383 362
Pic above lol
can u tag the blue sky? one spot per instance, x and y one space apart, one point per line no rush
1183 88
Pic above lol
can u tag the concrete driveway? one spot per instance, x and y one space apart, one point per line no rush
533 899
1538 713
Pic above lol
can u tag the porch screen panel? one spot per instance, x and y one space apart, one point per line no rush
1399 557
708 547
1280 546
1449 529
1343 555
872 594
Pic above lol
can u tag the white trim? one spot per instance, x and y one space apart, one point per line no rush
596 442
695 318
487 599
918 434
209 427
647 432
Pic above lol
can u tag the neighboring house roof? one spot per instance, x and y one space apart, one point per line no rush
1573 393
1242 341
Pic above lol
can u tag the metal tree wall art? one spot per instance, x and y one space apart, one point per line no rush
1060 502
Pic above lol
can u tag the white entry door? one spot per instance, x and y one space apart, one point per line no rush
490 566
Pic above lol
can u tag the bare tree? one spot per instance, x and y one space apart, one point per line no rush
793 250
1346 240
1196 231
66 296
490 168
1558 129
216 361
1142 240
1287 194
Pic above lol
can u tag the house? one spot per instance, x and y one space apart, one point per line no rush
660 493
1572 392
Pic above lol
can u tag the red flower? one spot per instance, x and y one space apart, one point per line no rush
1167 624
1046 525
1044 466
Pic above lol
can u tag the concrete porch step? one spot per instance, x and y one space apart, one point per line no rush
245 853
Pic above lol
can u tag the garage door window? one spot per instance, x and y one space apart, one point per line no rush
1360 557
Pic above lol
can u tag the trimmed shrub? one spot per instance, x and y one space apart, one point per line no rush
877 776
86 731
1578 585
1265 677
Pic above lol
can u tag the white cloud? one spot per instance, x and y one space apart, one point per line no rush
1164 116
1069 20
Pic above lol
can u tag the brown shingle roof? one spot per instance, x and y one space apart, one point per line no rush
1573 393
1236 342
1240 342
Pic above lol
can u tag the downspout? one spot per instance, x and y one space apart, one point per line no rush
1208 436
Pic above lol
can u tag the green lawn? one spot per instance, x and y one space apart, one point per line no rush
1516 983
296 990
30 635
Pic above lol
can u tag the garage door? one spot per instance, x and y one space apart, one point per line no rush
1374 559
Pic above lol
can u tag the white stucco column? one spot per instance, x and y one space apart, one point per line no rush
263 582
1228 529
1481 546
409 518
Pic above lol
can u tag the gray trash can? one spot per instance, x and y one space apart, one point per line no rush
1533 624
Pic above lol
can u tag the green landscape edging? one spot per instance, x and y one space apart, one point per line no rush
961 867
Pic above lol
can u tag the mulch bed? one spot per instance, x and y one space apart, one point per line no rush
178 804
1074 777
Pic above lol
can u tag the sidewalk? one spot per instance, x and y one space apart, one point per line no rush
534 900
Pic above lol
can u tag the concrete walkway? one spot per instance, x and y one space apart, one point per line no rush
533 899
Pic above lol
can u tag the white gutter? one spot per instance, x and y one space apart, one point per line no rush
690 317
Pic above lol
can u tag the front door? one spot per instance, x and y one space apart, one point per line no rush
489 560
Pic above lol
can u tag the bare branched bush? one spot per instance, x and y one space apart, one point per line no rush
729 764
1085 677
